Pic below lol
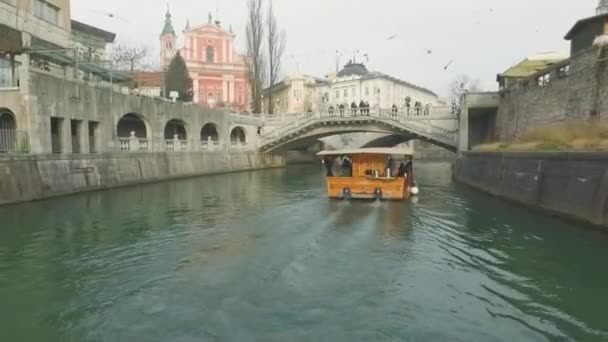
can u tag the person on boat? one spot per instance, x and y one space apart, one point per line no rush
347 167
328 165
390 164
402 170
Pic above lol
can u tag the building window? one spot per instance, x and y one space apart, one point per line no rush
366 91
46 11
169 46
345 92
544 80
210 54
337 94
564 71
210 97
353 92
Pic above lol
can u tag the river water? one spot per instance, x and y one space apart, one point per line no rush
264 256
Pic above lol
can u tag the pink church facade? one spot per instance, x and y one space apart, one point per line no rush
218 72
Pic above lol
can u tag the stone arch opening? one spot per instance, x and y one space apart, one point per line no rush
238 135
8 131
132 122
176 127
210 132
7 120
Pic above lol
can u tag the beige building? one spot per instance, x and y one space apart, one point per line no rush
295 94
354 83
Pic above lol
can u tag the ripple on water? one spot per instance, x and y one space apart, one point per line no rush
265 256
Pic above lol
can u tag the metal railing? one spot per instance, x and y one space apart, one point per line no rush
13 141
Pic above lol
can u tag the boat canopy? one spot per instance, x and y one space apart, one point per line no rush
401 151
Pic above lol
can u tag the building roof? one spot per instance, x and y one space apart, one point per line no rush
107 36
168 28
351 69
374 74
584 22
359 69
400 151
146 79
534 64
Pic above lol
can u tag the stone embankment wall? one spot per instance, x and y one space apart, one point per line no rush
26 178
573 185
571 90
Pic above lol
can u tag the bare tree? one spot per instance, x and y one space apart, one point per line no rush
130 57
276 48
461 85
256 61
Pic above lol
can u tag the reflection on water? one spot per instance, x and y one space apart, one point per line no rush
264 256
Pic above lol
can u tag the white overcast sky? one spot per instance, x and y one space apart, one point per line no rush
483 37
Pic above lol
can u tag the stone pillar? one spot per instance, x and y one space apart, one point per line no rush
195 89
463 128
177 144
133 143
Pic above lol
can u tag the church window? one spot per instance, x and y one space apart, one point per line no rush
169 46
210 54
210 97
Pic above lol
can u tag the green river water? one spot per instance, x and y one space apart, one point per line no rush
265 256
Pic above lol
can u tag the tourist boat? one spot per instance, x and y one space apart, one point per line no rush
370 173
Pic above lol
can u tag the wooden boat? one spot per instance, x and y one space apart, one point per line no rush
371 173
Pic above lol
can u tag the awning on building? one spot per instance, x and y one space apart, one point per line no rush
60 56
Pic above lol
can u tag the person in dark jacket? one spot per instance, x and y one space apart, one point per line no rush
353 108
341 109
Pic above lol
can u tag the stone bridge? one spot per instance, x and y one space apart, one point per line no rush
437 125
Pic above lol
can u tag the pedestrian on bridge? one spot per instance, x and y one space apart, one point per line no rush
353 108
367 108
341 107
331 110
427 110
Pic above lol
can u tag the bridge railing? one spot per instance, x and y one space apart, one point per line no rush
412 113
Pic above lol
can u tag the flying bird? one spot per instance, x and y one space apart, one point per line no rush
391 37
448 65
111 15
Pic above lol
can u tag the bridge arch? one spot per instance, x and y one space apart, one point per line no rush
238 134
176 127
132 122
315 129
210 132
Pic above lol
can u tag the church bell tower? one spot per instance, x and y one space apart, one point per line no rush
168 42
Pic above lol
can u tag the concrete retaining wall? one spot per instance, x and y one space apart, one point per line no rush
574 185
26 178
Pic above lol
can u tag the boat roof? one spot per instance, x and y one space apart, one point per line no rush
385 151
